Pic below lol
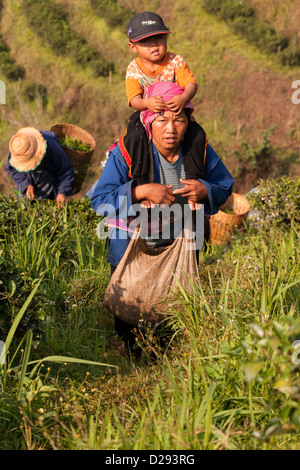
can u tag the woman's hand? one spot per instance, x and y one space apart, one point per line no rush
61 200
30 192
194 190
153 193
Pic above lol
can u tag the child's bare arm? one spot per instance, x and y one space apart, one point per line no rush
177 103
155 103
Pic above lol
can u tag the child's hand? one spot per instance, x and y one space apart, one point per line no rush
156 104
176 104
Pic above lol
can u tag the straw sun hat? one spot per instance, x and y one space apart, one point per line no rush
27 148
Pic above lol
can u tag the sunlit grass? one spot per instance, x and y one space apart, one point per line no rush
220 384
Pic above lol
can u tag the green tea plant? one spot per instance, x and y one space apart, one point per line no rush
242 19
23 379
43 252
8 66
75 144
277 201
257 156
51 23
228 377
37 240
114 14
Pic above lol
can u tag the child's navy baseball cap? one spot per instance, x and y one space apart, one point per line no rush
145 24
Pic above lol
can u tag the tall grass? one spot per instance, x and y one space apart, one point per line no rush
218 386
225 381
37 244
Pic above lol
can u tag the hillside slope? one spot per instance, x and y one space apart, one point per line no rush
243 93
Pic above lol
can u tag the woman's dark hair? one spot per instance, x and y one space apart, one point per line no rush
188 113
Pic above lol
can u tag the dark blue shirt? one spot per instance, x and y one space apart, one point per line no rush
53 176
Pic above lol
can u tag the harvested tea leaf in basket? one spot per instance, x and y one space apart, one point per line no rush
75 144
228 210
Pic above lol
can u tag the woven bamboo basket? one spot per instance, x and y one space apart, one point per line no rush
80 160
222 225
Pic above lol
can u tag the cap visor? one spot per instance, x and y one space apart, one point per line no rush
143 36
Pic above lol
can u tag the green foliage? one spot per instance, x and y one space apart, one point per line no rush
115 15
39 240
277 201
75 144
51 23
261 153
260 34
228 9
272 359
8 67
228 379
33 90
258 157
291 54
241 18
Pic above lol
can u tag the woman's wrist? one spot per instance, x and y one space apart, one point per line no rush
139 192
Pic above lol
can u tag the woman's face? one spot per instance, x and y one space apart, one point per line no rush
168 131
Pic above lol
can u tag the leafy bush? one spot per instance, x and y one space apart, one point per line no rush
259 34
8 67
272 362
34 90
277 201
260 153
241 18
114 14
228 9
39 240
291 55
230 368
50 22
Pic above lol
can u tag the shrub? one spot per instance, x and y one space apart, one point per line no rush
259 34
114 14
8 67
39 240
34 90
278 201
241 18
260 157
50 22
291 55
228 9
272 363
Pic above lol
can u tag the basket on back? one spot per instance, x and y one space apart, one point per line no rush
80 160
222 224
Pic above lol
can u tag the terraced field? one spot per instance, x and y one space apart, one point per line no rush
244 94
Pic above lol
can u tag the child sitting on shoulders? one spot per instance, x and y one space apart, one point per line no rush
148 38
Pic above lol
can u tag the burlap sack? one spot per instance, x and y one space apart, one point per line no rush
140 286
